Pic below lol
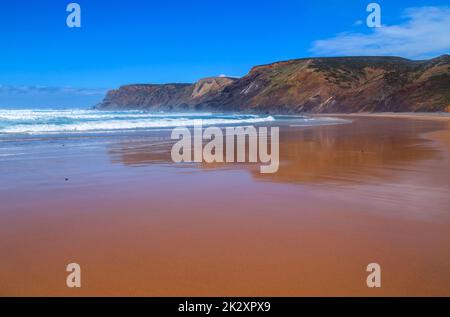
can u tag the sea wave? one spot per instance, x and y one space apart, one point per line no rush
66 121
20 115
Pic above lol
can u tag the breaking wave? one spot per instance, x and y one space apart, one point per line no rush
66 121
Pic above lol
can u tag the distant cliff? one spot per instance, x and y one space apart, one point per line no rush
314 85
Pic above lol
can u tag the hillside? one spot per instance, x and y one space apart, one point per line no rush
312 85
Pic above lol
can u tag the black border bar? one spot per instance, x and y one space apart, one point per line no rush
130 306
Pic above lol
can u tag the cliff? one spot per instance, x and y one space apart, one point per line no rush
315 85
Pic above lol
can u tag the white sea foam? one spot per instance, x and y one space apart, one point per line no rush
64 121
21 115
32 121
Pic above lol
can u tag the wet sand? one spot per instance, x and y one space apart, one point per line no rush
435 116
376 190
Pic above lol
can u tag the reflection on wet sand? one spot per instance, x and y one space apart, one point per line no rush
347 153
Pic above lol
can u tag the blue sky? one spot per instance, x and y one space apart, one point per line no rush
146 41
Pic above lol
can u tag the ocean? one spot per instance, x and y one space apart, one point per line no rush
40 121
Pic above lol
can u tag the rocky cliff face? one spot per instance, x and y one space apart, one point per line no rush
157 97
210 86
315 85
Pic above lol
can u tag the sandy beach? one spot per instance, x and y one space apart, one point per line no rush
435 116
375 190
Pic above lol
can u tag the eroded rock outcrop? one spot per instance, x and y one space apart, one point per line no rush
315 85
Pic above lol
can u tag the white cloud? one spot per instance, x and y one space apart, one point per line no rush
228 76
5 89
46 96
423 34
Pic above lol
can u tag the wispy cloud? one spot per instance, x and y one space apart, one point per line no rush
7 89
228 76
423 34
47 96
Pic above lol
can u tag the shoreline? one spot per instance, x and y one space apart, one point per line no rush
439 116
